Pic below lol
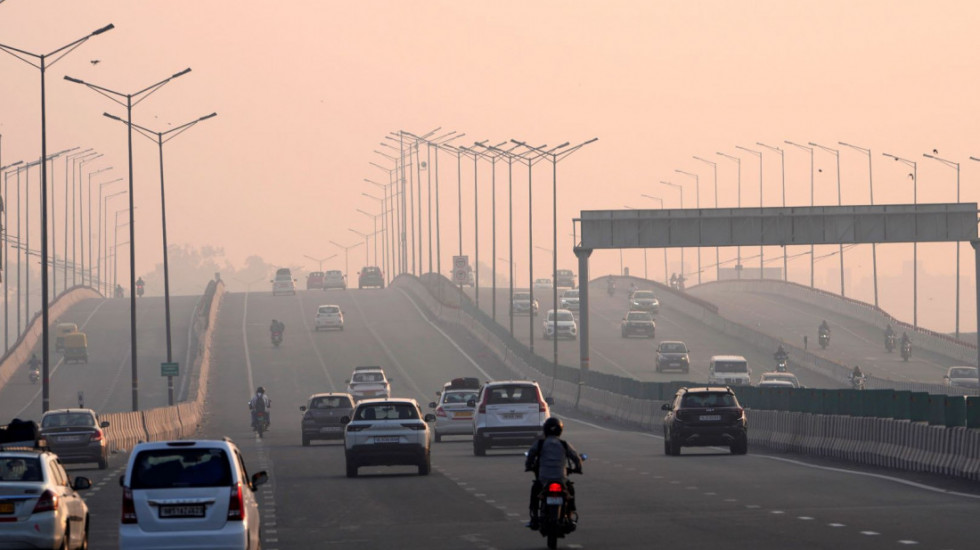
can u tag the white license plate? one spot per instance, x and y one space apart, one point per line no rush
556 501
710 417
182 511
386 439
70 438
328 430
512 416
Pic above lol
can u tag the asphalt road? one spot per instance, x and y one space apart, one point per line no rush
631 496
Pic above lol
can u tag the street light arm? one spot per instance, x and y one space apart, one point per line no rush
746 149
770 147
828 149
949 163
862 149
794 144
706 161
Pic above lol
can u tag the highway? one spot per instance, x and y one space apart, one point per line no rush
631 496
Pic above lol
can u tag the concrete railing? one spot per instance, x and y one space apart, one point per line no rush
880 442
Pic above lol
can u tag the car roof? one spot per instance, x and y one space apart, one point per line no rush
702 389
662 342
779 383
330 394
330 305
950 369
364 368
728 358
780 374
509 382
65 411
183 444
392 400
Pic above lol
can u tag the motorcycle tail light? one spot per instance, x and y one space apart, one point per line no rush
554 488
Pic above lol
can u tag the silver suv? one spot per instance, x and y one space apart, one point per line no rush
387 432
508 414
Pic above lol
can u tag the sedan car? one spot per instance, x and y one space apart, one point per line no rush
673 355
787 377
76 436
645 300
961 377
322 414
638 322
455 408
314 280
334 278
569 299
38 506
368 382
387 432
705 416
328 317
542 283
560 325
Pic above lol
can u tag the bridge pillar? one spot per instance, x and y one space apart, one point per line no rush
583 314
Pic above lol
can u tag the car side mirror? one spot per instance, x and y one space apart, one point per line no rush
259 478
302 408
81 483
430 417
345 420
666 407
549 400
432 405
471 403
104 424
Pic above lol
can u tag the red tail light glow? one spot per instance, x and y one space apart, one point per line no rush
97 435
47 503
554 488
236 506
483 404
128 508
440 412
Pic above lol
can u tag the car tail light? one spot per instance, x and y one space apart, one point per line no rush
440 412
414 425
357 427
97 435
483 404
542 406
47 503
128 507
236 506
554 488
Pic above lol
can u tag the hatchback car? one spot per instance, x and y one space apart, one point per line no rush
705 416
39 507
523 305
455 408
370 276
638 323
560 325
284 282
673 355
509 413
322 414
189 494
76 436
327 317
787 377
334 278
569 299
314 280
645 300
961 377
368 382
387 432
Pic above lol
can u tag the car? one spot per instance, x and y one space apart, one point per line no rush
328 316
284 282
542 283
673 355
370 276
730 370
334 278
60 331
785 384
76 436
522 304
705 416
387 432
644 300
569 299
566 327
39 507
509 413
638 322
314 280
191 493
368 382
961 377
565 278
455 408
322 414
780 377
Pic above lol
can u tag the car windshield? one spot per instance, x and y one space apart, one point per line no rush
67 419
778 376
963 372
180 467
387 411
639 316
329 309
708 400
673 347
562 316
643 295
333 274
335 402
20 469
731 366
512 394
458 396
543 281
368 377
522 296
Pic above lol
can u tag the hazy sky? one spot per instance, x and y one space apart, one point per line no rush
306 90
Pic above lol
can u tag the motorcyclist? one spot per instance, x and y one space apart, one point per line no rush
611 286
277 326
548 458
139 286
260 402
906 343
857 377
780 354
34 363
824 328
673 280
889 331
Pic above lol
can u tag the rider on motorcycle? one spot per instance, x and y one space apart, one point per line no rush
889 331
824 328
260 402
611 286
780 354
856 377
34 363
277 326
548 458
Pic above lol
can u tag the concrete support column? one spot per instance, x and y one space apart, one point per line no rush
583 333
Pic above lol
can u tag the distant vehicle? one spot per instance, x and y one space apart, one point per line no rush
368 382
673 356
314 280
638 322
76 436
322 415
560 325
522 304
780 377
961 377
60 330
455 407
387 432
284 282
328 316
370 276
705 416
542 283
470 276
645 300
731 370
334 278
76 347
508 413
569 299
786 384
565 278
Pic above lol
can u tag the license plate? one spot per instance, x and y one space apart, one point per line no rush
6 507
675 364
556 501
327 430
70 438
512 416
710 417
386 439
463 414
182 511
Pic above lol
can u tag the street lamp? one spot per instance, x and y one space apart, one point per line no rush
88 234
320 260
367 259
73 157
836 153
714 168
92 265
6 258
738 250
77 242
762 269
104 240
955 165
129 104
697 203
346 256
666 276
42 65
874 246
915 244
681 189
374 218
782 170
810 150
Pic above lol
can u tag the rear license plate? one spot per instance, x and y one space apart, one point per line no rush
710 417
70 438
328 430
6 507
386 439
463 414
182 511
675 364
512 416
556 501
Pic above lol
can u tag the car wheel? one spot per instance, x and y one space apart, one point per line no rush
741 446
103 462
306 441
425 466
351 468
479 449
84 545
675 448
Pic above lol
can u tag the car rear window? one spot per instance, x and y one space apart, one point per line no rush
20 469
166 468
639 316
731 366
386 411
963 372
67 419
368 377
512 394
458 396
708 400
330 403
643 295
673 348
329 309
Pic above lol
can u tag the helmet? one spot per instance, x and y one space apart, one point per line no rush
260 390
553 426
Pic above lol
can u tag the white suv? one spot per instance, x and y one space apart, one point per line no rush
570 299
509 413
387 432
329 316
189 494
566 327
368 383
284 282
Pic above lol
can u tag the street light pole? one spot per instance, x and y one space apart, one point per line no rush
680 188
697 203
104 241
714 168
782 171
836 153
88 234
762 268
810 150
738 250
915 244
346 250
874 247
666 275
955 165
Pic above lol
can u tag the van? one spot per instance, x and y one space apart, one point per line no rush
729 370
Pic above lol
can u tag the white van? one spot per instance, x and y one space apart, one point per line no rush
729 370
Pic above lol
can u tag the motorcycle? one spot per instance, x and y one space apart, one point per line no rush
824 339
261 423
857 382
889 342
781 364
35 375
276 338
611 289
906 351
557 519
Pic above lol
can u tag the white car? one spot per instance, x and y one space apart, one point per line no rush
368 382
455 408
785 384
189 494
284 282
522 304
387 432
961 377
563 327
569 299
542 283
509 413
38 507
334 279
780 376
329 316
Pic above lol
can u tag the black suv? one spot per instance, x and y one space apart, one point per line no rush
673 355
704 416
370 276
638 322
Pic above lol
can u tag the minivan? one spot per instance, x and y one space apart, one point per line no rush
730 370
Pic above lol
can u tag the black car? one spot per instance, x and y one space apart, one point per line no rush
76 436
370 276
673 356
638 322
644 300
705 416
321 416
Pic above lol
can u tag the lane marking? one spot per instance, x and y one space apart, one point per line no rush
248 355
316 350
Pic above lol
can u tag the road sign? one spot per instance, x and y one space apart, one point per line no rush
460 262
169 369
461 266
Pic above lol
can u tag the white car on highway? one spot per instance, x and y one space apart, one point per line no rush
284 282
542 283
329 316
368 382
569 299
387 432
961 377
455 408
508 413
561 325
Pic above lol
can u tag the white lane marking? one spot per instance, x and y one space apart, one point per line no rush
248 356
908 542
836 525
598 353
316 350
777 512
870 533
804 518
